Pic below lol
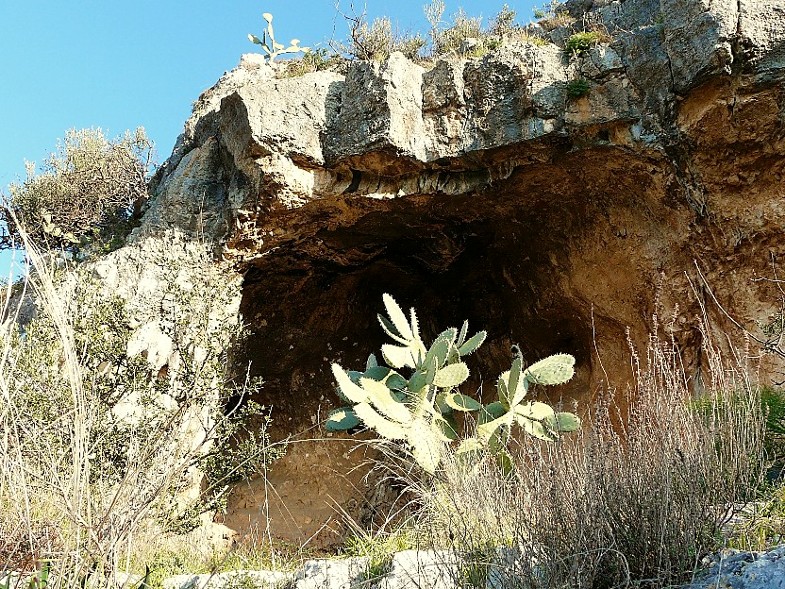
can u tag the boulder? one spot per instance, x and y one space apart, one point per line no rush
735 569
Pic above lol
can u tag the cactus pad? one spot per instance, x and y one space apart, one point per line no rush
461 402
451 376
341 420
556 369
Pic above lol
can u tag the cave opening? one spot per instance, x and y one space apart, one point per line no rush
315 303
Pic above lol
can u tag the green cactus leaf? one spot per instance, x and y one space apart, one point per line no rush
502 392
395 381
412 314
397 317
453 356
514 380
461 402
384 427
371 362
376 373
440 403
398 356
451 375
498 441
504 462
390 330
449 334
469 445
445 430
349 389
556 369
486 430
438 351
474 342
255 39
430 372
491 411
507 396
535 410
565 422
355 376
383 400
537 430
426 446
417 382
342 419
462 334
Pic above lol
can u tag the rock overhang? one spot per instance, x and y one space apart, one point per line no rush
480 190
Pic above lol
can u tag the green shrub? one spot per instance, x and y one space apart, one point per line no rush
580 43
100 443
453 38
553 15
463 35
548 10
503 23
379 549
762 524
316 60
769 401
634 499
90 191
578 88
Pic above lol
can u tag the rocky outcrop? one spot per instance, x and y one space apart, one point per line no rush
413 569
409 569
737 569
480 189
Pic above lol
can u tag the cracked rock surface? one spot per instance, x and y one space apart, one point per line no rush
479 189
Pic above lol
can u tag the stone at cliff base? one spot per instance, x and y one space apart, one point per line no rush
744 570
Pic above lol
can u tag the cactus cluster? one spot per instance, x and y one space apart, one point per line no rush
419 411
271 47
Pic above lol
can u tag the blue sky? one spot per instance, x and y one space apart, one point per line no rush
119 64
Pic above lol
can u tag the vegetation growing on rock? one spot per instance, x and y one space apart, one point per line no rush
89 193
112 430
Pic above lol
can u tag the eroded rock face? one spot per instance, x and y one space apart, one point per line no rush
479 189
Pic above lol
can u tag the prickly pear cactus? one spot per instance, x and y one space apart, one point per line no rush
418 411
272 48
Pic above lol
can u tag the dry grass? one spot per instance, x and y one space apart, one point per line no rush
635 499
84 486
58 503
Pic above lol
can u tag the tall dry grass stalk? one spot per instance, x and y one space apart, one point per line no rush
634 499
74 493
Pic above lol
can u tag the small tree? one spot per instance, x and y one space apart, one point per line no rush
89 191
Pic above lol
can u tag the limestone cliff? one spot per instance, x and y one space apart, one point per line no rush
479 189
